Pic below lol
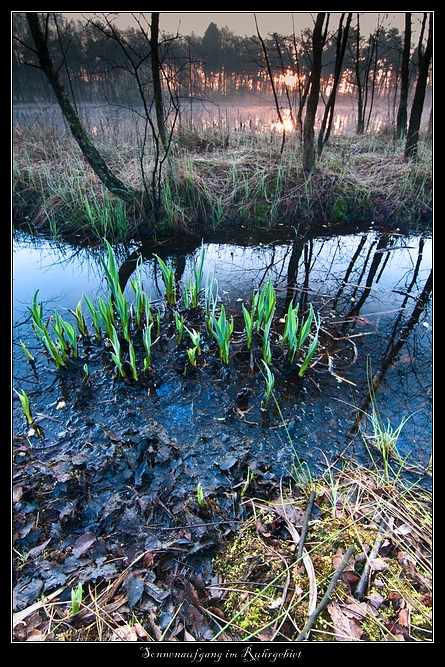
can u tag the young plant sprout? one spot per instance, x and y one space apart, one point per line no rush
81 324
146 339
132 358
116 355
76 599
24 402
195 337
270 383
191 353
26 351
222 330
249 321
94 316
179 322
168 277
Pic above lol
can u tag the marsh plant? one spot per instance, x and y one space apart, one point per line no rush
129 331
168 276
24 402
297 332
222 330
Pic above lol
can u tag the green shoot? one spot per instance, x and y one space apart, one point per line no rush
198 275
222 331
81 325
169 280
264 304
191 353
249 325
59 331
146 339
106 315
267 351
24 402
270 383
179 322
116 355
291 330
195 337
311 351
139 295
120 300
132 358
71 336
148 313
94 316
76 599
305 328
26 351
200 495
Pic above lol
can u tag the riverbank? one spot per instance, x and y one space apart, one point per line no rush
211 181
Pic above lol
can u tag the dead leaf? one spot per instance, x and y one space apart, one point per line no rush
36 551
125 633
404 617
378 565
141 632
135 588
338 559
293 513
346 629
408 564
83 543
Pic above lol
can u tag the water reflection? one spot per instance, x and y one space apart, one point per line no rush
372 290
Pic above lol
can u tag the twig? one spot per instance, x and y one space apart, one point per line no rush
363 583
306 562
325 599
305 525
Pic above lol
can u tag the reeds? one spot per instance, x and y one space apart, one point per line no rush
248 179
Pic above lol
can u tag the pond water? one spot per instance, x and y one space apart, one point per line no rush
372 291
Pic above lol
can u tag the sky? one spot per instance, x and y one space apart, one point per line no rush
243 23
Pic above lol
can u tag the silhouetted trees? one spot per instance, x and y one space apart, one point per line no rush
318 40
412 136
97 63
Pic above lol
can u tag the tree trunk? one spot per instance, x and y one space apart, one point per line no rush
419 97
97 163
156 74
402 114
312 102
342 38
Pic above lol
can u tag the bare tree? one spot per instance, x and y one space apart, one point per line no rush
328 117
318 41
157 85
402 114
271 79
412 137
94 158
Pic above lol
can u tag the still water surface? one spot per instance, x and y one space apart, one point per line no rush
371 289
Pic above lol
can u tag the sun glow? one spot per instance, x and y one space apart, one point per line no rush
287 124
289 79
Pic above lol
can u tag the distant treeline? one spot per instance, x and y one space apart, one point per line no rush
94 65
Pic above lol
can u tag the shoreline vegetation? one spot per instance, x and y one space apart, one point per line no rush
213 180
